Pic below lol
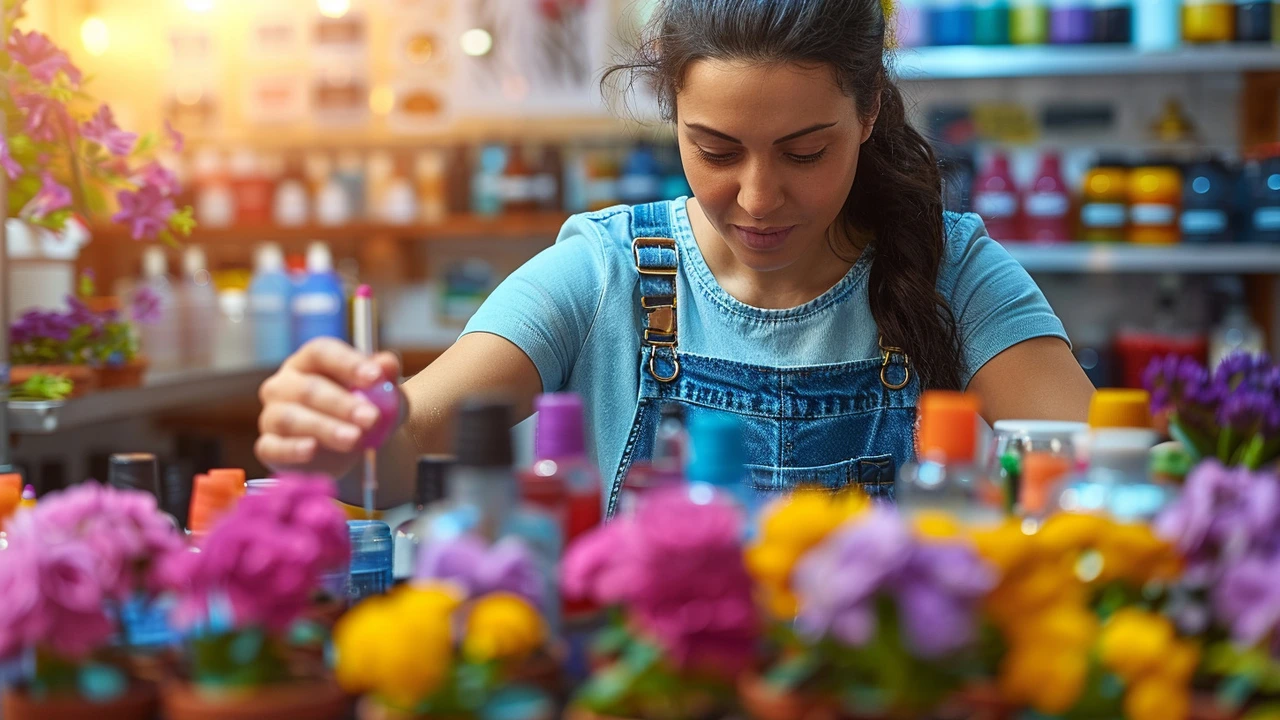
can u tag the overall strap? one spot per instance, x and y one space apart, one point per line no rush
657 261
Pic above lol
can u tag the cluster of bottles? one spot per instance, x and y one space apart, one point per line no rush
193 324
1151 202
1148 24
426 186
1035 468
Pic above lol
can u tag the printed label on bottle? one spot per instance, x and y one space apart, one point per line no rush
1102 215
1153 214
1267 218
516 189
544 187
602 191
267 304
1203 222
1041 205
996 205
315 304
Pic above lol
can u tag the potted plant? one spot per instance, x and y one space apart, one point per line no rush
72 565
240 595
90 348
684 625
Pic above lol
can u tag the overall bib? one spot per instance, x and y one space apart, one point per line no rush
824 425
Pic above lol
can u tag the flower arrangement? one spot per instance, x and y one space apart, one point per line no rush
684 621
64 155
77 336
1231 414
71 565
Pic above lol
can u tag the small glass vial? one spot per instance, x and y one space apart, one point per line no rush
371 556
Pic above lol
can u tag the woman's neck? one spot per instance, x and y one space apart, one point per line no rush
781 289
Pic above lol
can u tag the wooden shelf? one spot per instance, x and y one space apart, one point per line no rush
462 227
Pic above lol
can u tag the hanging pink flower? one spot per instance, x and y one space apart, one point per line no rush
10 166
52 197
45 116
146 211
154 173
41 57
103 130
175 137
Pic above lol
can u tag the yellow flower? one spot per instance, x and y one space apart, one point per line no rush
1061 626
1005 546
1133 552
1046 678
789 528
503 626
934 525
1134 643
1180 662
1072 532
1156 699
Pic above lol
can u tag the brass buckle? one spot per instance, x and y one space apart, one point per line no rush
653 370
648 339
652 242
645 304
887 352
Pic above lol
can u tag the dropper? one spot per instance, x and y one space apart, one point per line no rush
363 331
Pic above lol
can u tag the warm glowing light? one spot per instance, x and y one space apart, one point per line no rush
333 8
95 35
200 6
476 42
382 100
188 94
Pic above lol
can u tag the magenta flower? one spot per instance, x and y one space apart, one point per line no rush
145 307
41 57
146 211
175 137
7 163
153 173
467 560
46 117
52 599
103 130
50 198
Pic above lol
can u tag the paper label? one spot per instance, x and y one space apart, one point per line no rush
996 204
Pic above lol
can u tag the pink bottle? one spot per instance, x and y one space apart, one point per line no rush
995 198
1047 206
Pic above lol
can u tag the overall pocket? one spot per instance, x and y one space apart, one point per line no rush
874 474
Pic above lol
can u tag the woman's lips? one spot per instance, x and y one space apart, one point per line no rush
763 239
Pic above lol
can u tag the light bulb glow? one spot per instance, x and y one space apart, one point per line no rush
476 42
333 8
199 6
95 35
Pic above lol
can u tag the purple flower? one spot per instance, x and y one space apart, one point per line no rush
145 307
41 57
146 211
936 585
508 566
53 599
50 198
103 130
153 173
7 163
45 116
1247 600
175 137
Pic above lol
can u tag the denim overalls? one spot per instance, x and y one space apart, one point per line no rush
826 425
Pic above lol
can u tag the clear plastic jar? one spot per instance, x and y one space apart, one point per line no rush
1015 439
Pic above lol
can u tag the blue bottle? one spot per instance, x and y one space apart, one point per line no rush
953 22
371 559
319 306
486 185
1260 191
1206 203
270 293
717 460
674 183
641 179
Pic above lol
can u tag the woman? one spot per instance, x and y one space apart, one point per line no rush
813 285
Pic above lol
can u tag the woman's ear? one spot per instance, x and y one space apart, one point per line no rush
869 124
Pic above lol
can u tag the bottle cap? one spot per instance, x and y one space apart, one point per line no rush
560 432
1040 472
429 485
154 263
716 450
319 258
948 426
194 260
231 480
270 259
134 471
1120 408
211 496
672 411
483 434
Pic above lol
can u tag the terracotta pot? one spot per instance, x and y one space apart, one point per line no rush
544 671
765 703
139 703
370 709
314 700
1204 707
576 713
976 702
84 378
128 375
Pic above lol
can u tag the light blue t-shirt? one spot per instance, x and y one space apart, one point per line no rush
575 311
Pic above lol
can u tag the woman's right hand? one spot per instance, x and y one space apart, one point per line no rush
311 420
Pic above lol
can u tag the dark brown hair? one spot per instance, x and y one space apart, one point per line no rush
897 197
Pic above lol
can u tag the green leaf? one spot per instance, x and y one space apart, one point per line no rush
1199 445
793 672
145 144
641 655
611 640
183 221
42 387
607 689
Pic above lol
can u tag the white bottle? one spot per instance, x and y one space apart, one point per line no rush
234 343
159 329
199 302
1236 332
215 203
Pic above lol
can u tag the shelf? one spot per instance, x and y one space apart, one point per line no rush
1101 258
462 227
956 63
161 391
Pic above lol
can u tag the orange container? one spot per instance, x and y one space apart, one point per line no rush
212 495
1155 204
1104 208
1116 408
1040 472
948 426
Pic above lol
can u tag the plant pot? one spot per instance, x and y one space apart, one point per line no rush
370 709
314 700
83 377
765 703
139 703
1205 707
128 375
976 702
544 670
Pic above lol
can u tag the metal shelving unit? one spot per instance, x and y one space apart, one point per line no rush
1086 258
960 63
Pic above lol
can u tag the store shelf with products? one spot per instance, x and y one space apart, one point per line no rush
1098 258
972 62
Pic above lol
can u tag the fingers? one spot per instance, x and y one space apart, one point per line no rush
293 420
282 452
341 363
320 394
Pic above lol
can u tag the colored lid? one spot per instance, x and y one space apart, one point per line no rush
1040 472
364 291
716 449
11 480
560 431
483 434
212 495
429 485
1171 460
134 471
1116 408
269 259
231 480
948 426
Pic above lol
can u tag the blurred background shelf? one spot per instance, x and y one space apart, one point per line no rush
970 62
511 226
1193 259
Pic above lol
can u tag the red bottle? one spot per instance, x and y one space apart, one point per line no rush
1047 206
995 198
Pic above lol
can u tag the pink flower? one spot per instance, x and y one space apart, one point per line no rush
175 137
45 116
10 166
153 173
146 211
41 57
50 198
103 130
52 599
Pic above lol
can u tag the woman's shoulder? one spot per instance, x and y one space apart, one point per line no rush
612 227
961 231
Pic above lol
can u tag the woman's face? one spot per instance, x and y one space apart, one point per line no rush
770 151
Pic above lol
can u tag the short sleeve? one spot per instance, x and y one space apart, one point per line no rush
995 302
547 307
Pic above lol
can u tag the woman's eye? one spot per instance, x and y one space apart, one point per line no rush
809 157
718 158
